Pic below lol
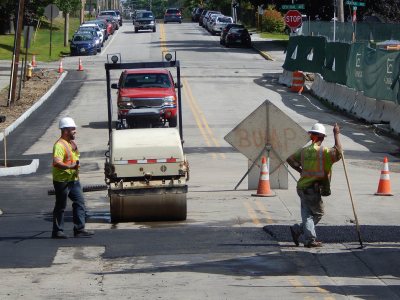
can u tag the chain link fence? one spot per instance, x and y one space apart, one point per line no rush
376 32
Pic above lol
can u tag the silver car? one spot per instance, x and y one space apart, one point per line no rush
211 19
219 24
207 15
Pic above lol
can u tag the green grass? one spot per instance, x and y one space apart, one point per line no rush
274 36
269 35
41 45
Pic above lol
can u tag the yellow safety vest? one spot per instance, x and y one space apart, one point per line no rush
62 150
316 162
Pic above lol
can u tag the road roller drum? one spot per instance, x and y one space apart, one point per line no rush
148 205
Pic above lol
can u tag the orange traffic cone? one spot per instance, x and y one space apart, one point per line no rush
60 67
264 189
384 188
33 63
80 67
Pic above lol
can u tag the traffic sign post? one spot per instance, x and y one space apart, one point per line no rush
293 19
51 12
267 130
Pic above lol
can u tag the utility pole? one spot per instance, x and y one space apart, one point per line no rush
340 11
82 14
17 46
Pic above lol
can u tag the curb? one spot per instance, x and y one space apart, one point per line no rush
264 54
35 106
20 170
33 166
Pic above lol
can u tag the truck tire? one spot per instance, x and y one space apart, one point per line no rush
154 29
136 30
173 122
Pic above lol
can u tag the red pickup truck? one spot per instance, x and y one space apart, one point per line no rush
146 98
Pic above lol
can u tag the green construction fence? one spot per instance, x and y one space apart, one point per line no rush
373 71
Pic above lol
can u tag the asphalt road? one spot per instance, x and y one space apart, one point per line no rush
233 246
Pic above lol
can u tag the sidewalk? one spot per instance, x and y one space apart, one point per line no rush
5 67
268 48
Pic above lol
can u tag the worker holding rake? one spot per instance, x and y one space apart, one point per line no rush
314 163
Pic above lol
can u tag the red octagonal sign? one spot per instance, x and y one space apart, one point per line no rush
293 19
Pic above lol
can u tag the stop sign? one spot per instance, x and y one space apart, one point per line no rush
293 19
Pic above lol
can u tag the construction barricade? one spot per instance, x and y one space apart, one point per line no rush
298 81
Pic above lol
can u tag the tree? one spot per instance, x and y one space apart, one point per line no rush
67 7
34 9
8 9
389 10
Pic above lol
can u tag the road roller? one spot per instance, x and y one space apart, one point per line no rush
146 170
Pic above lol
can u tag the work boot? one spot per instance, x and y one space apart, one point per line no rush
295 236
83 233
59 235
313 244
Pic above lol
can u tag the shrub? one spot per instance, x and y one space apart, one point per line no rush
273 20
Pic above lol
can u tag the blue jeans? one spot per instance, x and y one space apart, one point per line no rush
73 190
312 210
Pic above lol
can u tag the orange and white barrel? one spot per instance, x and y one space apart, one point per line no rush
297 82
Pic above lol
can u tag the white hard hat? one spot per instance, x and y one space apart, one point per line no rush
66 122
318 128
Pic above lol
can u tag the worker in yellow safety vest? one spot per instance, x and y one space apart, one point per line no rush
314 163
66 182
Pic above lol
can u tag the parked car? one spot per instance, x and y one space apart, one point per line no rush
119 17
92 32
219 24
172 15
207 15
238 36
96 28
225 31
149 89
196 13
144 21
111 23
211 19
112 14
103 26
201 17
83 43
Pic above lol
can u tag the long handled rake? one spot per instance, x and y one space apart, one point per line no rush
352 203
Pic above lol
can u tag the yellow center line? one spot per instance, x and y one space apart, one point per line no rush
163 40
296 283
252 213
196 117
314 281
202 117
210 133
198 114
264 210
